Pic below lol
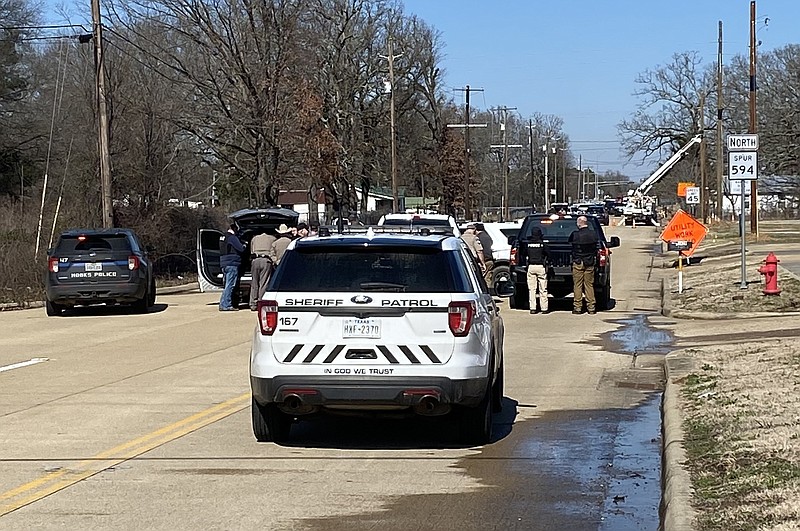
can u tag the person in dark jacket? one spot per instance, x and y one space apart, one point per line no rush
230 260
584 256
537 271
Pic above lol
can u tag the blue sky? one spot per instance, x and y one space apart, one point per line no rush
578 59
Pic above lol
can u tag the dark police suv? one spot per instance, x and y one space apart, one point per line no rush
91 266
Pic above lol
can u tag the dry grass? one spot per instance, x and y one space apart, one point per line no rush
742 406
742 421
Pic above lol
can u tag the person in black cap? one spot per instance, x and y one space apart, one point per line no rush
537 271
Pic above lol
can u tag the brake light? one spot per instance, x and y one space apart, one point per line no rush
513 258
602 256
267 317
459 317
52 264
133 263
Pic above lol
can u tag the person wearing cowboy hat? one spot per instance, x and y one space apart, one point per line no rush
284 239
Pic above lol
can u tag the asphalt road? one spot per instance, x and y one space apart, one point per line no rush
110 420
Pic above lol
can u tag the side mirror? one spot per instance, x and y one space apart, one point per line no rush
613 241
512 240
504 288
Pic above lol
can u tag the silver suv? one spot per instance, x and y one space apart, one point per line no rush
378 321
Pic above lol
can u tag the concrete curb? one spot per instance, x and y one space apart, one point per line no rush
676 509
677 513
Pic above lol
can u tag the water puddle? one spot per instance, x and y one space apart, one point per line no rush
638 336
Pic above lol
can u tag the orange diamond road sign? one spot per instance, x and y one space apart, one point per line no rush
683 227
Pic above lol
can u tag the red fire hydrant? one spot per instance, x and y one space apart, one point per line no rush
770 272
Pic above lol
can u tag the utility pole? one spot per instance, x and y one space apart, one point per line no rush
546 179
533 179
466 125
703 182
102 119
555 170
720 149
579 191
564 182
505 211
753 124
391 57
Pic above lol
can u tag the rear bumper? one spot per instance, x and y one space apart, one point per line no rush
93 293
355 392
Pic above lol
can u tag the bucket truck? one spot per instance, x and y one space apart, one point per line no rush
640 207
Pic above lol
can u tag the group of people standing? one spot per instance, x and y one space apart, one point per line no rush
584 255
265 249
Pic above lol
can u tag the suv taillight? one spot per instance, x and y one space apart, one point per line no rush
52 264
133 262
267 317
459 317
602 257
513 258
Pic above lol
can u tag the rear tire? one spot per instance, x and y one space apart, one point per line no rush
269 423
500 273
498 389
603 298
476 422
140 306
519 300
151 297
53 309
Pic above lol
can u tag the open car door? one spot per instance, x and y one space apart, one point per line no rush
209 272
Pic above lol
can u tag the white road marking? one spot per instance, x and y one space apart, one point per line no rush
32 361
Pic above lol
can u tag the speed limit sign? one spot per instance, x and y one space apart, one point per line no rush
693 195
743 165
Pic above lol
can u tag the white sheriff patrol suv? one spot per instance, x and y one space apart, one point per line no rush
376 320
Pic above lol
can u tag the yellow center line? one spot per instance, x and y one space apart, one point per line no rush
55 481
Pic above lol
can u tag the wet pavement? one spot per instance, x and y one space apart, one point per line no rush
576 470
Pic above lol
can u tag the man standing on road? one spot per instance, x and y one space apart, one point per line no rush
230 261
261 266
486 249
584 254
537 271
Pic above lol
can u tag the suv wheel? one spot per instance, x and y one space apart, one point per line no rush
151 296
498 391
269 423
603 298
140 306
476 422
500 273
53 309
519 300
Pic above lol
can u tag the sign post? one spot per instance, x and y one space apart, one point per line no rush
683 233
743 166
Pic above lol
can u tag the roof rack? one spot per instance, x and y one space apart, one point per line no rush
419 230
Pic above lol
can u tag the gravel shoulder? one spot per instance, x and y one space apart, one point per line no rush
734 389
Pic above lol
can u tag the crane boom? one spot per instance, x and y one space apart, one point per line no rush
640 207
662 170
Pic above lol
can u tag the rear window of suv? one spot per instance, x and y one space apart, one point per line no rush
370 269
558 229
92 243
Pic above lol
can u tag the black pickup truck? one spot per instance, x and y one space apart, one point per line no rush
556 230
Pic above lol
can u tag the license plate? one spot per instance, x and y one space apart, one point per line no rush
93 266
370 328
